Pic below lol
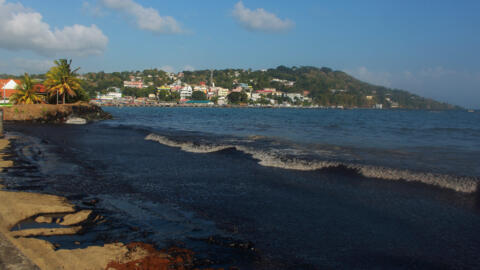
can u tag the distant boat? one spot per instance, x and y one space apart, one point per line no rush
471 110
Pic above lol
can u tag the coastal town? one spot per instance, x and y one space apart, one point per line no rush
183 94
179 93
201 94
291 87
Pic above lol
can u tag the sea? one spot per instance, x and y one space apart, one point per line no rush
258 188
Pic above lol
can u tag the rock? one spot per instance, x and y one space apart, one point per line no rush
92 202
43 219
75 218
76 121
46 232
46 113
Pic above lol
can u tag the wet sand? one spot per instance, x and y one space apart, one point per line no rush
19 250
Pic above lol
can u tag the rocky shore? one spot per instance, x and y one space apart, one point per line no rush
47 113
54 216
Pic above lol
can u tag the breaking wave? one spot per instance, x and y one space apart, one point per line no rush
188 146
277 159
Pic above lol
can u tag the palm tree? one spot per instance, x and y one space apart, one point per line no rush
25 93
61 80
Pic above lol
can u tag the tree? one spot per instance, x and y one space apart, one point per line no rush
174 96
199 95
62 80
162 95
214 100
25 93
237 97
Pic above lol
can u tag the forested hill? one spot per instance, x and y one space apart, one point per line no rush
325 86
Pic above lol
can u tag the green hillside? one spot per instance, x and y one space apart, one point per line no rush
324 86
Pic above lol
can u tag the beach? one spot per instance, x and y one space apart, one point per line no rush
206 193
20 250
28 252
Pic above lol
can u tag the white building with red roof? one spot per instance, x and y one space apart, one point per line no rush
7 88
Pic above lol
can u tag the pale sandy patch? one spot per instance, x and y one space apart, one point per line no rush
18 206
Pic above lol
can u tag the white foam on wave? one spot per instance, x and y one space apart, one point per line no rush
187 146
456 183
273 159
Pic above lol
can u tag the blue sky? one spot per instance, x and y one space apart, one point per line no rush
426 47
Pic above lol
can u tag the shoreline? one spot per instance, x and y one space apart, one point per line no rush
50 113
318 107
20 249
107 143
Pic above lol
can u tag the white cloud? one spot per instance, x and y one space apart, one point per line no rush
260 19
24 29
444 84
374 77
145 18
436 72
188 68
32 65
93 9
168 69
22 65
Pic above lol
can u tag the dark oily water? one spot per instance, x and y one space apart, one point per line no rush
436 148
333 217
445 141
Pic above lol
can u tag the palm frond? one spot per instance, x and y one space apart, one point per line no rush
62 80
25 93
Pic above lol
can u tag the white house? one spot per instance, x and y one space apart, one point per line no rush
110 96
186 92
294 96
221 92
221 101
255 96
201 88
7 88
133 84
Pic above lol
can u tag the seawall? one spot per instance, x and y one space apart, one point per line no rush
47 113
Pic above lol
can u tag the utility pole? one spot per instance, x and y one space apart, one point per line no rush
212 84
4 94
1 123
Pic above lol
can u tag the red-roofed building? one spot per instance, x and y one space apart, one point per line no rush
8 87
266 91
133 84
40 89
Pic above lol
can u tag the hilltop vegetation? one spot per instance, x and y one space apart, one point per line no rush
324 86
